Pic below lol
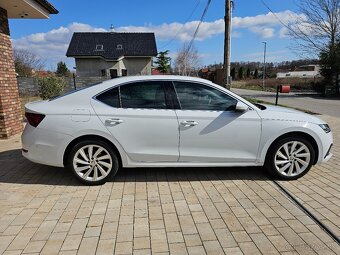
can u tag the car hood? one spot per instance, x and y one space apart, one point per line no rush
287 114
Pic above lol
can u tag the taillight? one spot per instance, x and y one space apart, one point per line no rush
34 119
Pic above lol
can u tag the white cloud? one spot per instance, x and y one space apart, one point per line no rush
271 56
263 32
53 44
236 34
283 32
182 32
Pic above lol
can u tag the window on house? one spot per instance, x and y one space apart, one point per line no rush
99 47
103 72
124 72
113 73
119 47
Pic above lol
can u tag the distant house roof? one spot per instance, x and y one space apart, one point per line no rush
112 45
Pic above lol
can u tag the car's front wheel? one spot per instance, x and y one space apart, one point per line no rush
93 162
290 158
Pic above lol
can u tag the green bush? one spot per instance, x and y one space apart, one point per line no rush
51 86
319 87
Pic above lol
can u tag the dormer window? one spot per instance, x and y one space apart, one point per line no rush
119 47
99 47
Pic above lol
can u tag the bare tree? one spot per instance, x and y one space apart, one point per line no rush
187 61
318 28
26 62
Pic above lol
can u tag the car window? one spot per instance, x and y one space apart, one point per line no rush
144 95
194 96
110 97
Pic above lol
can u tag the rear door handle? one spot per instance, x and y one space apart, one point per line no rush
189 123
113 121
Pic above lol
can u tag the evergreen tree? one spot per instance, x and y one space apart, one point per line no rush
163 62
233 73
240 73
330 65
62 69
256 73
248 73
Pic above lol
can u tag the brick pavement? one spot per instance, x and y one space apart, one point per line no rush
160 211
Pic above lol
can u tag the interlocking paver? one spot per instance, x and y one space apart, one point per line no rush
161 211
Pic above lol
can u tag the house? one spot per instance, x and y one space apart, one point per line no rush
306 71
112 54
10 110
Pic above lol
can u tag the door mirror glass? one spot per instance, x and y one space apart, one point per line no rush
241 107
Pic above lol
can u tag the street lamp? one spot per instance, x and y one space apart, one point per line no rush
264 64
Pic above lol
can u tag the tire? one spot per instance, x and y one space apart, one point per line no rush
93 162
290 158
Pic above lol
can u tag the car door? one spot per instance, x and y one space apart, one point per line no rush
139 117
210 128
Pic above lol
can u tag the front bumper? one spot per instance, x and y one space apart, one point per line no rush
325 147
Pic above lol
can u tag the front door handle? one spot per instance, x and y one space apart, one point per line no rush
113 121
189 123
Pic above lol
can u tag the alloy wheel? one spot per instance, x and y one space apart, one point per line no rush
292 158
92 163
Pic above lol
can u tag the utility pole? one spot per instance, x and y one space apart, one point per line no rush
227 43
264 64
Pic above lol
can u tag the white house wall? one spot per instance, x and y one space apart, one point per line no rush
138 66
88 67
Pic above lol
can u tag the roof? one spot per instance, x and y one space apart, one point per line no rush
132 45
48 6
24 9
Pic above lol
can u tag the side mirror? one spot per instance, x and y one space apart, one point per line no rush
241 107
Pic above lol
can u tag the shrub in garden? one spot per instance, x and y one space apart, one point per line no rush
51 86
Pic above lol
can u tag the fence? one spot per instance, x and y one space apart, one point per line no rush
28 86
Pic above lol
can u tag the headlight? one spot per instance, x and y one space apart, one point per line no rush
325 128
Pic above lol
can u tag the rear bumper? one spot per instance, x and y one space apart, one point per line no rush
43 146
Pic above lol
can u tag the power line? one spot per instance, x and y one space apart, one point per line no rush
298 34
179 30
277 17
198 26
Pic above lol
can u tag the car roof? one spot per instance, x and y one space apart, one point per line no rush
155 77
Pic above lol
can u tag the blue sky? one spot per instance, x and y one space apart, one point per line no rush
252 24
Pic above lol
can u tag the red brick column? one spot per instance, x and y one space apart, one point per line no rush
10 111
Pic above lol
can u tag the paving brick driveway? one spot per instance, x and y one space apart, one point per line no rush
160 211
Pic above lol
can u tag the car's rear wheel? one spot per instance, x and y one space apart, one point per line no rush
290 158
93 162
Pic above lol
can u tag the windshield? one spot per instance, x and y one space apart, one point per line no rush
74 91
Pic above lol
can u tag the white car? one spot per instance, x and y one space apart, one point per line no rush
169 121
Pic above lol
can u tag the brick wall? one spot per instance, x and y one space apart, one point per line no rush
10 114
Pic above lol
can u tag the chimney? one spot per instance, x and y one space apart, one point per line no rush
112 28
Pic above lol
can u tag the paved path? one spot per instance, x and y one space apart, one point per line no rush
160 211
314 103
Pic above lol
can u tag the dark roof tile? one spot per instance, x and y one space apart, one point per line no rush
133 44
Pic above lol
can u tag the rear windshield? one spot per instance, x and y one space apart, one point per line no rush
74 91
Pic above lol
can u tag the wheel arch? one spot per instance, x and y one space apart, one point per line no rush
94 137
301 134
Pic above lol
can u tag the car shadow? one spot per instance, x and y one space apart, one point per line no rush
14 168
